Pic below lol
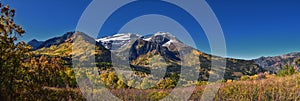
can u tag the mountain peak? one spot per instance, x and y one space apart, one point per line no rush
34 40
35 44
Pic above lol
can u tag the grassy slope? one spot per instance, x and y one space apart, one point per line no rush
273 88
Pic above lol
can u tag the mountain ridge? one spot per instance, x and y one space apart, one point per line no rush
52 41
162 44
36 41
274 63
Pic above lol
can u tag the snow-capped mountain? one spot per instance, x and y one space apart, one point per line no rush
117 41
161 47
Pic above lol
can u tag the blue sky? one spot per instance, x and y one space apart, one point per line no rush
252 28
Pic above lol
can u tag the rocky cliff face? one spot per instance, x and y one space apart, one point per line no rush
156 44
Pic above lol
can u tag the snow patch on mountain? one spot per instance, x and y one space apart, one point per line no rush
120 37
147 39
163 34
117 41
168 43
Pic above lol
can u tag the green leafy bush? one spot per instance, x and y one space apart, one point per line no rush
286 70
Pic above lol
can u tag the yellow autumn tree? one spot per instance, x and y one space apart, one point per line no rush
12 54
